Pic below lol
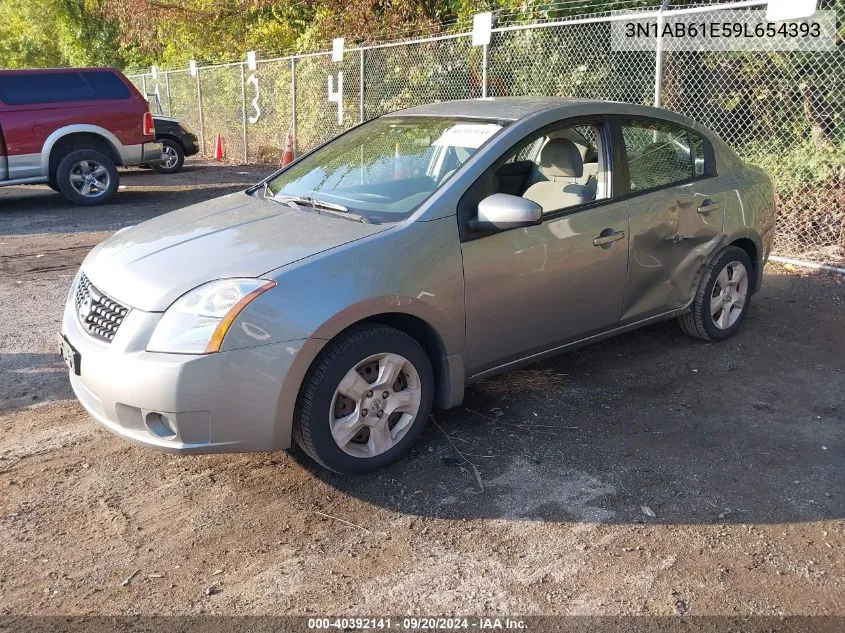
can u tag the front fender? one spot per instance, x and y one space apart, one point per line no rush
415 269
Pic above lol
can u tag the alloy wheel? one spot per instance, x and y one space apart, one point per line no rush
375 404
730 292
89 178
169 157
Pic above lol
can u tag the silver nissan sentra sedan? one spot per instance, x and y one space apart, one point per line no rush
341 298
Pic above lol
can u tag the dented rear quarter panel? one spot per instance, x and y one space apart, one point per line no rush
751 213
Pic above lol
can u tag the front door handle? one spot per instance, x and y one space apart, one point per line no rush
708 205
608 236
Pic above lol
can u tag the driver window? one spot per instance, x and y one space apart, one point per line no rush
557 170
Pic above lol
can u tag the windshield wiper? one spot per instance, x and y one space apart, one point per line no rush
320 208
311 202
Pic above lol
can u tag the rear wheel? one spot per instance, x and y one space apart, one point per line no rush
366 400
87 177
722 298
172 157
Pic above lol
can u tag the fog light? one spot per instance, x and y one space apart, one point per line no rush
160 425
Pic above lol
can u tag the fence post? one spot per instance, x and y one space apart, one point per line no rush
658 52
484 71
361 85
243 113
167 87
144 85
293 103
199 104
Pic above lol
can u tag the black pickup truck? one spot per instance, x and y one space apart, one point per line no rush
177 141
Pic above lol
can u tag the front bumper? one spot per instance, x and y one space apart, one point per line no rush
190 143
224 402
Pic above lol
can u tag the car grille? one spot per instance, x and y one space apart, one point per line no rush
99 315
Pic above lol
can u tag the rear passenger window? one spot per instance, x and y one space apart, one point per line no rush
22 89
107 85
658 154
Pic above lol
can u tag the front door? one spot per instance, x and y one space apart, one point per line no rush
532 289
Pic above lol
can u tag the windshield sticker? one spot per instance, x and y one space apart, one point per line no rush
471 135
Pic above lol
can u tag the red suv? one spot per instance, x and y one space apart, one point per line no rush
70 128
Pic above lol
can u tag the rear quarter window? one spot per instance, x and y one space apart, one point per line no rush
699 155
20 89
107 85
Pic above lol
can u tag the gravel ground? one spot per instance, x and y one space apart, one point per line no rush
647 474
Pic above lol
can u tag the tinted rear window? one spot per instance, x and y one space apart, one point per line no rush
58 87
107 85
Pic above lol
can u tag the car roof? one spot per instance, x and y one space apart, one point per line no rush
499 108
515 108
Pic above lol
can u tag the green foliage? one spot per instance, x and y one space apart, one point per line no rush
802 166
59 33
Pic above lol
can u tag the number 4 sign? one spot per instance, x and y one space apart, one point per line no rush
337 95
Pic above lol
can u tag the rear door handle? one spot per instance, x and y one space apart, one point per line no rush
708 205
608 238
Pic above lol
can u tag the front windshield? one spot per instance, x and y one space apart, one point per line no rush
384 169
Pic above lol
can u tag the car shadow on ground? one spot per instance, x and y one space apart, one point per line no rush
649 423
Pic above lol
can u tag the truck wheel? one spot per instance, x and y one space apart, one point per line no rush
87 177
722 298
172 157
365 401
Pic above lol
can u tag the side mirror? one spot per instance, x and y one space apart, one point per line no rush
503 211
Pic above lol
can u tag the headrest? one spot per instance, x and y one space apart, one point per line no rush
560 157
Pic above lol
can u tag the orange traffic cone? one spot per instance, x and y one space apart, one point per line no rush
287 154
218 148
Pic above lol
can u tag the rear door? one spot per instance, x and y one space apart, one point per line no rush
676 212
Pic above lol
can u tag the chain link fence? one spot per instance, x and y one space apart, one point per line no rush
781 110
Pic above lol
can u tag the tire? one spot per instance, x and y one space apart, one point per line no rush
706 320
80 163
381 435
172 157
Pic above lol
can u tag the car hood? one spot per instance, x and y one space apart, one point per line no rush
150 265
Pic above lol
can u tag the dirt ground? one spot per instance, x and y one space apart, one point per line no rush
737 450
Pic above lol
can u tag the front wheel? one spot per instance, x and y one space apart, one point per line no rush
722 298
366 400
172 157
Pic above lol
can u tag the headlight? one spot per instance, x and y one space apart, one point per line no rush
197 321
186 129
